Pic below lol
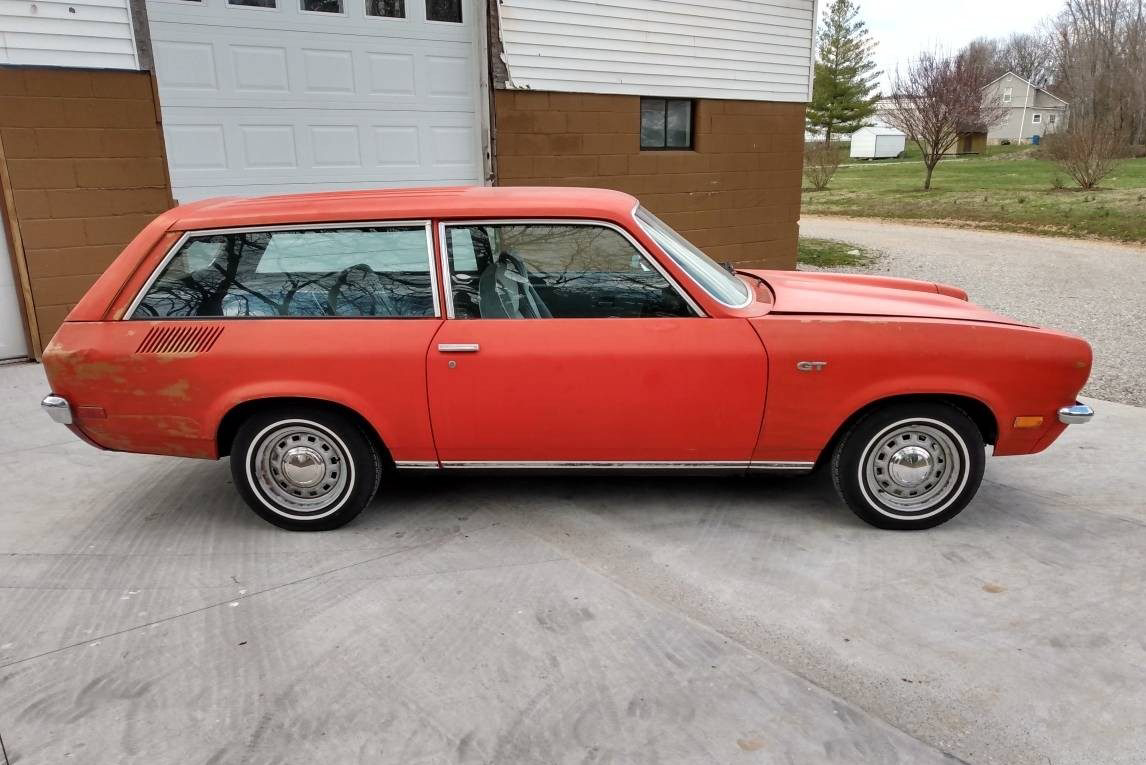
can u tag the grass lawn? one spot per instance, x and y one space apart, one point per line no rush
1006 190
828 253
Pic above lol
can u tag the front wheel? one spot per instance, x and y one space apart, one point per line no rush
305 468
910 466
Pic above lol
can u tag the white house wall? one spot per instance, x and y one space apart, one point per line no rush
739 49
84 33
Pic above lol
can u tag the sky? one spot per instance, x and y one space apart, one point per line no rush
905 27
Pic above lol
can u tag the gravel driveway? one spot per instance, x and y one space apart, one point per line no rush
1094 289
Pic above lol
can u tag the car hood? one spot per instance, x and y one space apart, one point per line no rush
806 292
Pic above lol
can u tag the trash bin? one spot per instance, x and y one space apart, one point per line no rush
1035 140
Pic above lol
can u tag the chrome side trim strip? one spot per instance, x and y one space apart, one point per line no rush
447 279
419 223
596 464
786 467
416 464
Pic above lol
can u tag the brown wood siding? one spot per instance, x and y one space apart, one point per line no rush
736 195
86 170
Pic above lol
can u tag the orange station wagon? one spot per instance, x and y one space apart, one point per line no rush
322 340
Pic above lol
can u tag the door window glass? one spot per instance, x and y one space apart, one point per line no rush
542 270
381 272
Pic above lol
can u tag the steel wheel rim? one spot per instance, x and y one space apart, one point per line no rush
300 469
899 483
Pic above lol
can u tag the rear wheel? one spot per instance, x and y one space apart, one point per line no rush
910 466
306 468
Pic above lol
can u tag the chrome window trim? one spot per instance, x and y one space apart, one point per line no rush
747 301
424 224
445 259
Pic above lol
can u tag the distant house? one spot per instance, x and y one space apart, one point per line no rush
1032 110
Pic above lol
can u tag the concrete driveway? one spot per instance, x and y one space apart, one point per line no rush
146 616
1094 289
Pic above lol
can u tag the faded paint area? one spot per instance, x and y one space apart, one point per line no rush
172 403
176 390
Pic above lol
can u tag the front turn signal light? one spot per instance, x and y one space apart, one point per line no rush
1028 422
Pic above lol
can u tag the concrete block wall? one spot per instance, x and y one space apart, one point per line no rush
86 171
736 194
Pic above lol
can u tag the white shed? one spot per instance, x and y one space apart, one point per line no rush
877 142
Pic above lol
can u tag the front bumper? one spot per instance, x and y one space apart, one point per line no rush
58 409
1075 415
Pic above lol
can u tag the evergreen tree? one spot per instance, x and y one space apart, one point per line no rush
843 91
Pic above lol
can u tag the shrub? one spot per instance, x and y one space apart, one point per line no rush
821 161
1087 150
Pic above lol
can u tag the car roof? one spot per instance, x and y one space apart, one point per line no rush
404 204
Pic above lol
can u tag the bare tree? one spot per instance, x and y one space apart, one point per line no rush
821 161
1088 150
938 98
1101 53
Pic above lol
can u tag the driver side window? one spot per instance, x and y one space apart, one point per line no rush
379 272
554 270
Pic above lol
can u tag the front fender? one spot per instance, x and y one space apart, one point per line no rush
1014 371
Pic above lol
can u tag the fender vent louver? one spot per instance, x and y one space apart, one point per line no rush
196 338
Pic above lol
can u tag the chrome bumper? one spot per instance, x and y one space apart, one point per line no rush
57 408
1075 415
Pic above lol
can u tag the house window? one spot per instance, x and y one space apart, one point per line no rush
1007 95
1036 118
1052 118
254 3
391 9
666 123
321 6
444 10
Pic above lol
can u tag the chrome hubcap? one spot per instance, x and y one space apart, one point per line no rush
913 468
301 468
910 466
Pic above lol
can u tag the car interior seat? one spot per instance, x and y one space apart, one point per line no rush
505 291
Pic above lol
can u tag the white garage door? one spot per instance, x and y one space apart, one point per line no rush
12 345
279 96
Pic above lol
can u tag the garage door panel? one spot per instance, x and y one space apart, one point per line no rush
247 146
231 71
261 101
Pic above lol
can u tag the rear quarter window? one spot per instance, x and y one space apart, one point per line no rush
382 272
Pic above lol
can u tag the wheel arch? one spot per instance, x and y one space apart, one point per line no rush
233 419
979 412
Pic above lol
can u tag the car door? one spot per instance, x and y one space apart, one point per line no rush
566 342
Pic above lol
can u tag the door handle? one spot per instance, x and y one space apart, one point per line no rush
458 347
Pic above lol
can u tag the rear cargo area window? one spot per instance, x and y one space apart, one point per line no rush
380 272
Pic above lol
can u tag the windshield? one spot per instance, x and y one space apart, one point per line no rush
716 281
